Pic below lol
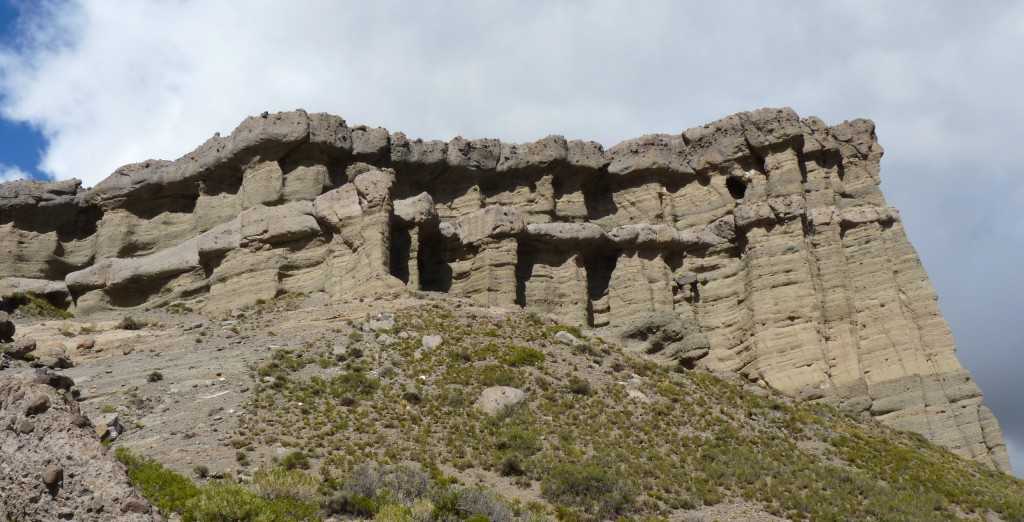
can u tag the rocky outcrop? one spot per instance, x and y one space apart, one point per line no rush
53 467
758 244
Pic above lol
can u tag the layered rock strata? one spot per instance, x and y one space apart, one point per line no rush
759 244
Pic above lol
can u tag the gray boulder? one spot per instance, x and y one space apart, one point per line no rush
498 400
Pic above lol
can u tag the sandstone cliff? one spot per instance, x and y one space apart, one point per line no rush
759 244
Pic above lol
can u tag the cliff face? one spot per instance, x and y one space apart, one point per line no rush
759 244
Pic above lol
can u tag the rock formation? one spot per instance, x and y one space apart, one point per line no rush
759 244
54 467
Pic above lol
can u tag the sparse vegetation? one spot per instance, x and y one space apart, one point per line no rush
34 305
692 446
273 500
130 323
596 489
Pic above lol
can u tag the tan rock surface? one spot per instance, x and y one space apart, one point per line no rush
758 244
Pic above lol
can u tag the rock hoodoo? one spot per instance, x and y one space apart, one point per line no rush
759 244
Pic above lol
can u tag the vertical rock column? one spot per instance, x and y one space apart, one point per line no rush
360 213
556 284
640 285
781 294
483 254
838 331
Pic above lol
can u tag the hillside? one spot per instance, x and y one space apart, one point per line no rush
382 392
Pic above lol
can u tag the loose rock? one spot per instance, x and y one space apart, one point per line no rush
498 400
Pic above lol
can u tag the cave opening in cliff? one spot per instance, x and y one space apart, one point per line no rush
401 253
737 187
435 273
599 267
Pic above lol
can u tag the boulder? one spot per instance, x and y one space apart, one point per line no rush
52 355
21 348
566 338
498 400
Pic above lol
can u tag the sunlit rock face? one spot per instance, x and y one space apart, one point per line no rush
758 244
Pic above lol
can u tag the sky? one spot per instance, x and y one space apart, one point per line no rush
89 85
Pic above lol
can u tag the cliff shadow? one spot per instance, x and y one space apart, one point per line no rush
435 272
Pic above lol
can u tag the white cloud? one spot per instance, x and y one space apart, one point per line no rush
8 173
154 79
116 82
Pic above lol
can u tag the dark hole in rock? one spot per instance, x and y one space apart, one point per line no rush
737 187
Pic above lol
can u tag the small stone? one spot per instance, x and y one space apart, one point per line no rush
52 475
135 505
127 350
108 426
25 426
37 404
386 340
430 342
417 323
80 421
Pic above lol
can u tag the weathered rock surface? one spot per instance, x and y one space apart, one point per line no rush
758 244
52 466
498 400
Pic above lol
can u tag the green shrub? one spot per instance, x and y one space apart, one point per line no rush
155 376
232 503
579 386
353 384
519 440
512 465
271 483
347 503
522 356
295 460
222 502
165 489
394 513
500 375
591 487
201 471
